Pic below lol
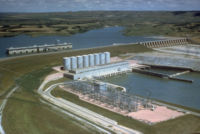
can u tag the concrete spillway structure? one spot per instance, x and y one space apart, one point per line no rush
91 60
73 63
79 61
85 61
96 59
107 57
166 43
67 63
102 58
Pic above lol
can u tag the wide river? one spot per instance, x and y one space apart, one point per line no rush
182 93
92 38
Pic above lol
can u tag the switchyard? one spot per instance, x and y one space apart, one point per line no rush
108 96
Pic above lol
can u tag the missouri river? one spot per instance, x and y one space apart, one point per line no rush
92 38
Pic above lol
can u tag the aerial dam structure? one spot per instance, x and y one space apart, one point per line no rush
166 43
38 48
93 65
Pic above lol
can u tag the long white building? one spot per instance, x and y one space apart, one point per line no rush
98 71
93 65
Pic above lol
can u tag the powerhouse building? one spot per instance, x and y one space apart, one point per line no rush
98 71
92 65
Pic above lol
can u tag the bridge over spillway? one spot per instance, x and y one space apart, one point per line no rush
166 43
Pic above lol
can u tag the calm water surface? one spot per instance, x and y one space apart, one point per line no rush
182 93
93 38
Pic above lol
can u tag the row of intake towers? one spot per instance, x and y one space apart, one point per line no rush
85 61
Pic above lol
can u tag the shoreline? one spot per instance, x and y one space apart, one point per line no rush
72 50
95 47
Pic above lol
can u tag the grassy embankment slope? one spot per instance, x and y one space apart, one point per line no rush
135 23
24 113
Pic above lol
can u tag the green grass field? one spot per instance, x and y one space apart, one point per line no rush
25 114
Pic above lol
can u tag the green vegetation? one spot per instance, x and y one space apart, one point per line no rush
136 23
175 126
25 114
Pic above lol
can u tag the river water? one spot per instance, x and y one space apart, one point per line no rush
182 93
92 38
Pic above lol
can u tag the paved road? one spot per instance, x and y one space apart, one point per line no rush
3 106
84 113
6 98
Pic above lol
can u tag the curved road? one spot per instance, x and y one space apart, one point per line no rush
83 112
3 105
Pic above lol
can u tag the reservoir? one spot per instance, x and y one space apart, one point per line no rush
92 38
181 93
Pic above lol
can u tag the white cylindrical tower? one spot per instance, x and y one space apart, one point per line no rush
102 58
91 60
80 61
107 57
67 63
85 61
96 59
73 63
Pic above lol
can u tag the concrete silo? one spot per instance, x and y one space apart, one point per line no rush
67 63
73 63
102 58
91 60
80 61
107 57
85 61
96 59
